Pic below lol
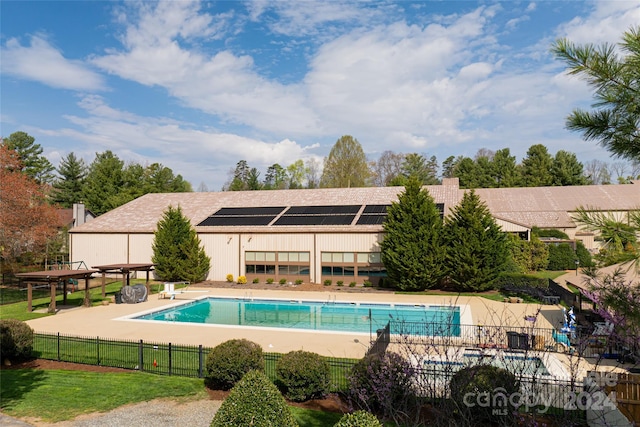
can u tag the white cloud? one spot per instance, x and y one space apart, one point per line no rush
45 64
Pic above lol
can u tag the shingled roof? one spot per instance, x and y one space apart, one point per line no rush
540 206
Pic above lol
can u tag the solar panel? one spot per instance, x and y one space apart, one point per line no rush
376 209
236 220
315 220
268 210
371 219
323 210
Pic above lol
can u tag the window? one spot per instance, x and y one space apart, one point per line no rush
279 264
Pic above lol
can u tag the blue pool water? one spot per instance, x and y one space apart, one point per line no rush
315 315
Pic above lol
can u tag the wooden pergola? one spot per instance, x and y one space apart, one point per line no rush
123 269
53 278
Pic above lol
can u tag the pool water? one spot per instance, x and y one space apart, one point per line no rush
516 363
310 315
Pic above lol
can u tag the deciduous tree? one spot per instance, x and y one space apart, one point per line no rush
27 221
346 166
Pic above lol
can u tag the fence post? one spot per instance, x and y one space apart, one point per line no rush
58 341
200 361
169 358
98 350
140 358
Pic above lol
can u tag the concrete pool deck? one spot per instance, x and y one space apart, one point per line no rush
107 321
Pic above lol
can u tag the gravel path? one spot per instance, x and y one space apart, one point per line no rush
156 413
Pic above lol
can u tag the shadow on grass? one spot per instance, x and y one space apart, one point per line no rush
15 383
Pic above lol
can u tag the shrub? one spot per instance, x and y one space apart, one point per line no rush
367 284
228 362
16 340
478 382
352 284
327 282
358 419
561 257
269 280
242 280
229 278
283 281
382 384
299 281
254 401
302 375
340 283
256 280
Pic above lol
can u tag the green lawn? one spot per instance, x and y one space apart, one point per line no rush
491 295
59 395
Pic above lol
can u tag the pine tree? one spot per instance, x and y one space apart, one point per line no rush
67 190
476 249
412 250
177 253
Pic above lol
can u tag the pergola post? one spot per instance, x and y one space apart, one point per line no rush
29 297
146 284
104 284
52 305
87 297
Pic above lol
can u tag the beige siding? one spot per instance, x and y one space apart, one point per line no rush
223 250
140 248
99 249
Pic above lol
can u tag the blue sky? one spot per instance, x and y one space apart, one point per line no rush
198 86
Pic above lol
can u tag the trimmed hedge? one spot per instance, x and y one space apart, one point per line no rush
514 281
254 401
228 362
16 340
302 375
358 419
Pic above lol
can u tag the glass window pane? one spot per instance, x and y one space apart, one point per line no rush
283 269
304 271
348 257
270 256
326 256
250 256
271 269
363 258
259 256
326 270
349 271
294 269
250 269
336 257
283 256
293 256
374 257
259 269
304 256
337 271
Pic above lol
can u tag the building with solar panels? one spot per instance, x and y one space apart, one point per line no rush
319 234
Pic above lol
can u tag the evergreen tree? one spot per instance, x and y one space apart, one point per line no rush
68 189
465 170
567 170
505 169
177 253
104 183
34 164
536 167
614 74
476 249
412 250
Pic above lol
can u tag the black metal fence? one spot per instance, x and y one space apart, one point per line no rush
154 357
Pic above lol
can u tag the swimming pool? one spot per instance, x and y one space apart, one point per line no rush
309 315
515 363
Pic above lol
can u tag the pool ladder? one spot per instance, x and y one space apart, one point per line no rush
330 301
248 296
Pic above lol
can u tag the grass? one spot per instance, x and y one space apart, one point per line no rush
490 295
547 274
58 395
